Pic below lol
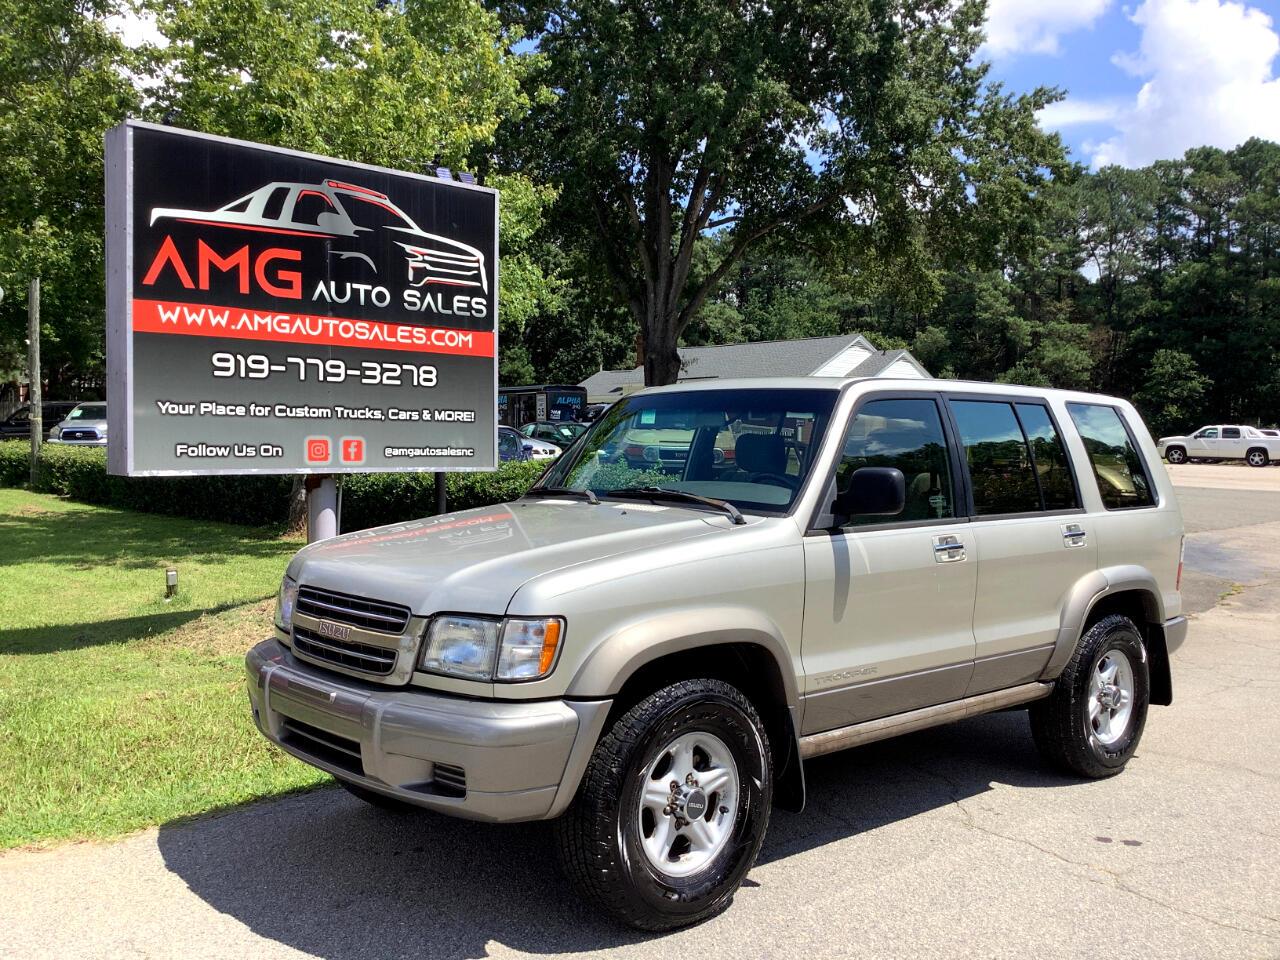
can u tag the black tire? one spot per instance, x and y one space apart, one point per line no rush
379 800
1257 457
1175 455
599 838
1060 723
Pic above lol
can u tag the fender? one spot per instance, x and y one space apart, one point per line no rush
614 660
1085 594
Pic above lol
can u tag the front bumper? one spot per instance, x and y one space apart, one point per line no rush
520 760
100 442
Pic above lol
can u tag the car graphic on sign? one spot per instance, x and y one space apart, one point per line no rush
333 209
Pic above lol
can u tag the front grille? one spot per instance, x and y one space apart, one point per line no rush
333 749
344 653
449 779
356 611
79 434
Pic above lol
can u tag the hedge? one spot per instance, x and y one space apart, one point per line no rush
80 473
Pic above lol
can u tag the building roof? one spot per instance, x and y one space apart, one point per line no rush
849 355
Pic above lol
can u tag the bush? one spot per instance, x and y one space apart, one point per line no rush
370 499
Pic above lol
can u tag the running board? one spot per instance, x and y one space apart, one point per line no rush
829 741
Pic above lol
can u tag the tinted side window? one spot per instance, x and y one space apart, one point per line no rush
1230 433
1049 458
1209 433
906 434
999 462
1122 479
508 443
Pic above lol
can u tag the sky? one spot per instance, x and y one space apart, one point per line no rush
1147 79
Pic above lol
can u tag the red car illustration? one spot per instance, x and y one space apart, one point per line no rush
333 209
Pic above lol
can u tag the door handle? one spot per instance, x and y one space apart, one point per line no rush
947 548
1074 535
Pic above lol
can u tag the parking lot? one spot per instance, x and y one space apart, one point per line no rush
956 842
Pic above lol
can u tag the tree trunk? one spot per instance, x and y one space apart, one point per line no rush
661 355
297 521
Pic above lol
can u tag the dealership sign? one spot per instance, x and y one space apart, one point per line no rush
278 312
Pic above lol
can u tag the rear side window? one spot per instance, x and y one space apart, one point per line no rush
1230 433
1122 478
906 434
1048 457
1000 468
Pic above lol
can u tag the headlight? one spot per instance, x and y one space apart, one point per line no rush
286 600
461 647
477 648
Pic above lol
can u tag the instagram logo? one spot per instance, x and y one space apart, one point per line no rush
351 449
318 450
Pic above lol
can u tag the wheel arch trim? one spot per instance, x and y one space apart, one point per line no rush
616 659
1085 595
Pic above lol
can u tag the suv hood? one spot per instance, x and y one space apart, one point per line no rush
475 560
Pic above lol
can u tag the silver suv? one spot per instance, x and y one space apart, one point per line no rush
718 581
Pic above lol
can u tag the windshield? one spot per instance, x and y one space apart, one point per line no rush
89 411
569 431
754 448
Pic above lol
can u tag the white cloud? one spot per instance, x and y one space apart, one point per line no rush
1073 113
1208 72
1034 26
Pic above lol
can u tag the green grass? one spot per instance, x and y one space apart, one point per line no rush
118 709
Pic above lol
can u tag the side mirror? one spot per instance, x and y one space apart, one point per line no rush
873 492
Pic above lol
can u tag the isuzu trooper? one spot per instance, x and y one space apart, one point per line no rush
718 581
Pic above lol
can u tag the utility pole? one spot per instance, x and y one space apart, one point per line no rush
33 367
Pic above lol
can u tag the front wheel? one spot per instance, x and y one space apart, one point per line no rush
672 808
1176 455
1091 724
1257 457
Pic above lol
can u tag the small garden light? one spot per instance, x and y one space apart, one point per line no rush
170 582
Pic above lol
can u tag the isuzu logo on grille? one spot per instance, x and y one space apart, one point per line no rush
335 631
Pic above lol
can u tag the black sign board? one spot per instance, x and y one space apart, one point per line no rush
270 311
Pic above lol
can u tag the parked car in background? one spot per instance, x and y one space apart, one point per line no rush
18 424
540 449
511 445
1222 442
651 664
85 426
558 432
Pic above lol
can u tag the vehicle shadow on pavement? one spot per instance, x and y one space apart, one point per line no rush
326 875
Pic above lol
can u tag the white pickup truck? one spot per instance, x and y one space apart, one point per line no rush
1222 442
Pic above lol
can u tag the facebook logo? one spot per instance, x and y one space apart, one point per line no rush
351 450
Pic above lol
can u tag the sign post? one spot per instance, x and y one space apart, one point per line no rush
271 311
34 391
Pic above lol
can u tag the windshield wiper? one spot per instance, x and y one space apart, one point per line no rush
587 495
666 493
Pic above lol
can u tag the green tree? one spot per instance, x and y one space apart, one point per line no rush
1172 392
407 85
866 123
63 82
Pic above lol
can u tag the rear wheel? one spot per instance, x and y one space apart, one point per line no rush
673 807
1091 724
1257 457
1176 455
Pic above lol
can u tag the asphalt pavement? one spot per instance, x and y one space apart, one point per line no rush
955 842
